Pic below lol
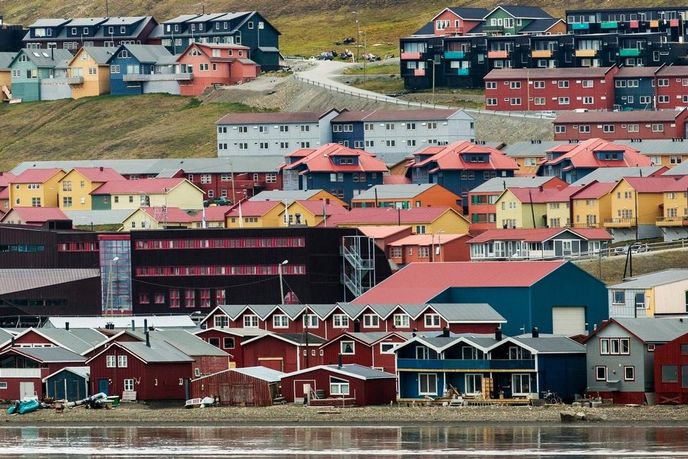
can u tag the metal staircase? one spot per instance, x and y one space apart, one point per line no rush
358 264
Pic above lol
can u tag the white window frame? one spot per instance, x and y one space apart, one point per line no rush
427 378
340 321
128 385
122 361
401 320
432 320
280 321
249 320
347 341
110 361
339 386
371 321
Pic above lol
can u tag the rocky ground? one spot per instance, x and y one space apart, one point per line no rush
141 414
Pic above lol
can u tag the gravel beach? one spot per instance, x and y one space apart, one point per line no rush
145 415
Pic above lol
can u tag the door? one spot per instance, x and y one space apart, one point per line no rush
26 389
568 321
103 386
276 363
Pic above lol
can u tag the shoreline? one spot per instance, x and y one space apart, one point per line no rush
140 415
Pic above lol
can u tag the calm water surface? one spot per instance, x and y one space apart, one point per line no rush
478 441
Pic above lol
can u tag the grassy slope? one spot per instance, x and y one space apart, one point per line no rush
109 127
611 269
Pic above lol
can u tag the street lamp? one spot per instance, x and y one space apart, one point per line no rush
281 280
434 63
358 35
108 297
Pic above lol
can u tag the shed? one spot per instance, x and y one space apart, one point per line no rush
337 385
250 386
69 383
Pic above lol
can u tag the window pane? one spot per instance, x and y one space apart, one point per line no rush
669 373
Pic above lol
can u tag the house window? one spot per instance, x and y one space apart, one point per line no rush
347 347
629 373
386 348
221 321
563 84
340 321
339 386
189 298
473 384
3 385
618 297
122 361
432 320
220 296
520 384
144 298
205 298
600 373
228 342
128 385
427 384
250 321
110 361
174 298
401 321
371 321
669 373
214 342
422 353
280 321
310 321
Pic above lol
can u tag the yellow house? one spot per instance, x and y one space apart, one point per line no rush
309 213
255 214
6 75
592 205
77 185
521 208
158 218
89 72
675 206
214 217
636 205
155 192
289 196
423 220
36 188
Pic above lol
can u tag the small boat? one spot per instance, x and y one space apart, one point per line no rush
28 406
193 403
12 409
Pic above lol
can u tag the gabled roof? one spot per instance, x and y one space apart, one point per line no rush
35 215
382 232
36 175
213 213
49 22
272 117
402 191
187 342
253 208
636 72
262 373
318 208
651 280
120 322
6 60
99 174
539 234
594 191
634 116
78 340
523 11
528 149
124 20
499 184
450 157
661 184
84 372
155 186
296 339
544 74
657 147
285 195
421 282
263 311
350 369
318 160
614 174
390 216
46 58
583 155
100 54
148 54
546 195
47 354
540 25
427 29
159 351
648 330
428 114
168 214
548 344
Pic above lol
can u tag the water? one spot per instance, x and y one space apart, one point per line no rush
472 441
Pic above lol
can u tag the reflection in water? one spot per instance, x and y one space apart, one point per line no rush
463 440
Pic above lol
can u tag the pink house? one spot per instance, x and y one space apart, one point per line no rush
212 64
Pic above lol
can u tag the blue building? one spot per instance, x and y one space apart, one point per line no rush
68 383
556 296
344 172
634 88
491 366
247 28
460 166
132 67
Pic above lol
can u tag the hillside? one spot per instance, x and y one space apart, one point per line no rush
307 26
147 126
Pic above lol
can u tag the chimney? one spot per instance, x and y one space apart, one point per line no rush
67 326
357 326
12 343
147 338
498 333
445 332
101 168
133 325
540 188
536 332
327 201
145 325
339 360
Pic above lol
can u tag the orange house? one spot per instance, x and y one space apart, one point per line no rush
212 64
405 196
429 248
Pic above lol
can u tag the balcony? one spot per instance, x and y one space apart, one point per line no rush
586 52
672 221
541 54
74 80
144 77
654 24
406 56
498 54
610 25
419 72
619 222
580 26
454 55
460 364
463 72
629 52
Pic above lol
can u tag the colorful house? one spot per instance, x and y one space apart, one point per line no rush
349 384
408 195
132 194
138 69
310 213
662 152
370 349
512 19
6 75
297 195
650 295
285 352
68 383
592 205
460 166
89 72
621 357
455 21
490 366
40 75
528 155
255 214
671 371
76 186
214 64
555 296
344 172
438 248
674 220
158 218
538 244
34 216
423 220
251 386
638 124
573 161
36 188
530 207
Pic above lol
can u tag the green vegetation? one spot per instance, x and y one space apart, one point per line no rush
610 269
147 126
380 69
381 85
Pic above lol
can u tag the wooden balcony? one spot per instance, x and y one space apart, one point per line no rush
586 52
541 54
410 56
498 54
619 222
419 72
75 80
678 221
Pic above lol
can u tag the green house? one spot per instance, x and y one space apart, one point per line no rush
40 74
512 19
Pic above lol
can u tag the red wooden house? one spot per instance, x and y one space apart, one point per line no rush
636 124
590 88
230 340
354 383
671 372
252 386
430 248
374 349
285 352
671 87
215 64
457 21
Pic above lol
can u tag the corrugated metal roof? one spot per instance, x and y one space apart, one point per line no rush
658 147
158 352
529 149
153 54
100 54
499 184
285 195
394 191
34 215
187 343
468 312
654 330
540 25
97 217
637 116
50 354
84 372
262 373
17 280
120 322
50 22
551 344
651 280
362 372
5 60
614 174
78 340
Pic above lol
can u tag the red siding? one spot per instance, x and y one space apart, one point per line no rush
363 353
209 364
622 398
621 130
233 389
244 184
236 353
670 354
279 355
31 337
12 391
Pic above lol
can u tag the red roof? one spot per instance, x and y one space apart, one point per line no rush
172 214
318 160
543 74
99 174
449 157
36 175
632 116
659 184
382 232
214 213
594 190
419 283
427 239
583 155
316 207
143 186
38 215
253 208
6 178
538 234
388 216
538 196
